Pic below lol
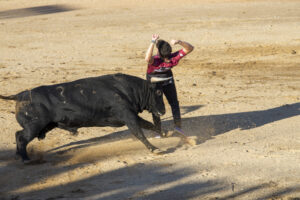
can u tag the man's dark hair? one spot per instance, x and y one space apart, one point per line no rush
164 49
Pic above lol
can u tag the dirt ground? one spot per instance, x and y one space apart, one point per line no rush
238 91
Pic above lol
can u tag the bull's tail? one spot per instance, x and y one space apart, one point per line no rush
11 97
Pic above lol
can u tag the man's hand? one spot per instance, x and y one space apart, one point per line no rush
155 37
174 42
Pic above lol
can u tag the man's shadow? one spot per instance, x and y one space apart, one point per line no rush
203 127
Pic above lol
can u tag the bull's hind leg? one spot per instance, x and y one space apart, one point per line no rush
35 122
25 136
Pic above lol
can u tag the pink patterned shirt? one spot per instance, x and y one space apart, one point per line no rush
159 66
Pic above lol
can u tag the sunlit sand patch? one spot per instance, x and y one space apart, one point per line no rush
106 151
110 151
86 162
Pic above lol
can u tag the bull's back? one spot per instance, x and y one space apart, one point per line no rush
84 100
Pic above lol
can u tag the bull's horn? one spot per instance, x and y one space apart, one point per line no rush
159 79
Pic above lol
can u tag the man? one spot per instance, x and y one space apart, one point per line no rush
160 71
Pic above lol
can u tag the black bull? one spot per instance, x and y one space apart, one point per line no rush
109 100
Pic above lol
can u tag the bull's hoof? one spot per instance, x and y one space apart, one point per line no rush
157 152
25 159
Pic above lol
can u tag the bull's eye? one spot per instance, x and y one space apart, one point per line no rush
158 92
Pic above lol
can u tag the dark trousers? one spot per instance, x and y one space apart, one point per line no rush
169 89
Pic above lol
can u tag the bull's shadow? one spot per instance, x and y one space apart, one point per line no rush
117 135
153 180
204 127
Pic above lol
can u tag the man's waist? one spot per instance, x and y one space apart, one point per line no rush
159 77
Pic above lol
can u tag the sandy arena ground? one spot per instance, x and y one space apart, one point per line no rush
238 90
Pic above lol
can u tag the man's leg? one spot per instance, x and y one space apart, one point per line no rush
171 95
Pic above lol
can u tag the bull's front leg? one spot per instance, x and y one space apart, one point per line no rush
134 126
149 126
157 122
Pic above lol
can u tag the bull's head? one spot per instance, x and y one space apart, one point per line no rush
156 101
